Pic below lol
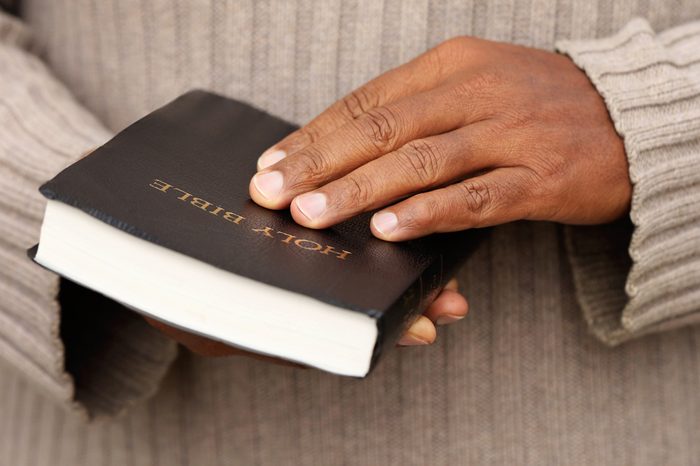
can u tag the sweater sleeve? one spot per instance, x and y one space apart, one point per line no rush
642 274
90 354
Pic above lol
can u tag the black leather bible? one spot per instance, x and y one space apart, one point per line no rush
159 219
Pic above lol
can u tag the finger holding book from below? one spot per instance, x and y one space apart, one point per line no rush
449 307
421 332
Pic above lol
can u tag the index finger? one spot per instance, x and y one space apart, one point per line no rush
420 74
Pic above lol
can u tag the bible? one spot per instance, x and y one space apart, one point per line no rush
159 219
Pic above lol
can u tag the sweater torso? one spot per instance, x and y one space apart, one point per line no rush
292 58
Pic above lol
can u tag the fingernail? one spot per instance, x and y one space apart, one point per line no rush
269 158
385 222
311 205
409 339
269 184
448 319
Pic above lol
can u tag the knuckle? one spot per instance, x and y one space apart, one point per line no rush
540 195
551 165
358 190
359 101
380 127
436 61
519 117
307 168
484 83
422 159
422 214
308 134
314 162
453 45
443 57
477 196
547 176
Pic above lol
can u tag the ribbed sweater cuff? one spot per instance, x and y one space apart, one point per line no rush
42 130
645 277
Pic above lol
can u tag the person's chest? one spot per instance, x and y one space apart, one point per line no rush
124 58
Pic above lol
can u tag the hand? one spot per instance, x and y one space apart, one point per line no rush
449 307
470 134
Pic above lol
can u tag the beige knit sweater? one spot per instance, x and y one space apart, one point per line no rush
90 68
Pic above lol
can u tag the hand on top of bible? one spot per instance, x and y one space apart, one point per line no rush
470 134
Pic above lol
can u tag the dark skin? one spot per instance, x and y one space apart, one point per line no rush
470 134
